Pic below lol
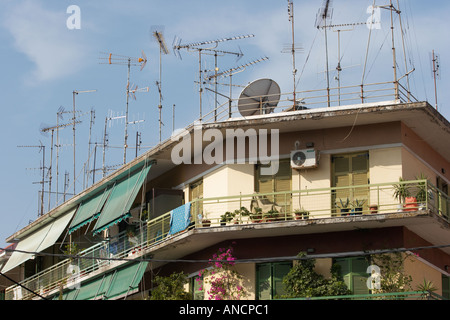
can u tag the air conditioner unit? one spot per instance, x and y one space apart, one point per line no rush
303 159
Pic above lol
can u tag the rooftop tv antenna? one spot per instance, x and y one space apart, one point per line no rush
259 97
235 70
74 122
292 48
436 74
41 148
163 50
50 168
322 18
200 47
128 61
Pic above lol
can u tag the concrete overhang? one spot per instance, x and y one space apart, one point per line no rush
425 224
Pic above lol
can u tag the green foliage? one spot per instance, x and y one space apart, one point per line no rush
303 281
170 287
401 190
393 277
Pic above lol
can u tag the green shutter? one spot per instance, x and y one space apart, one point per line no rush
446 287
354 273
270 279
280 270
264 281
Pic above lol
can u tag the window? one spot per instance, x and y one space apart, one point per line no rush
269 279
347 171
279 182
196 283
196 192
446 287
354 273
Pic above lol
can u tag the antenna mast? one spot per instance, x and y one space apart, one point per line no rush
159 36
128 61
293 48
74 122
321 22
41 148
195 46
436 74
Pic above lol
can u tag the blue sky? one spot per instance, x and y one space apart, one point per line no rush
43 62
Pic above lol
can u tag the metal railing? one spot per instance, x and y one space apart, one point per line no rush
419 195
407 295
318 98
370 199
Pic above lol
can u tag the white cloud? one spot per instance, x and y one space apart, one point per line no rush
42 35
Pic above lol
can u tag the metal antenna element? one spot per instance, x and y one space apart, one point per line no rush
128 61
436 74
232 71
322 17
50 168
41 148
201 47
293 48
163 50
74 122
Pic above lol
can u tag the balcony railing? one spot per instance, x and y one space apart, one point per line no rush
407 295
370 199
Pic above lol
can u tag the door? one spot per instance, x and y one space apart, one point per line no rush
349 171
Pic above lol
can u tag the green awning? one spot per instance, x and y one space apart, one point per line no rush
122 196
112 285
39 240
126 280
89 210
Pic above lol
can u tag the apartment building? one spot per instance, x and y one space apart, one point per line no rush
337 183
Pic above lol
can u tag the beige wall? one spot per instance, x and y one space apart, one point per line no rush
421 271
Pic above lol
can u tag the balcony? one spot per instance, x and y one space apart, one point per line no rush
267 212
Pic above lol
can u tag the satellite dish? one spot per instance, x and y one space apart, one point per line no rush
259 97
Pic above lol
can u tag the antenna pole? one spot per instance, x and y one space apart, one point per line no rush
104 147
294 70
74 93
393 51
435 70
162 50
200 90
74 149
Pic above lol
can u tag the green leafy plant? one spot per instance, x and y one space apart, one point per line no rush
421 194
227 216
401 190
170 287
344 206
301 214
426 287
392 274
358 205
256 216
303 281
271 215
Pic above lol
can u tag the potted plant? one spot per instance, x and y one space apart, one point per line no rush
239 213
373 208
227 217
205 221
271 215
301 214
256 216
401 192
421 195
344 206
358 206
